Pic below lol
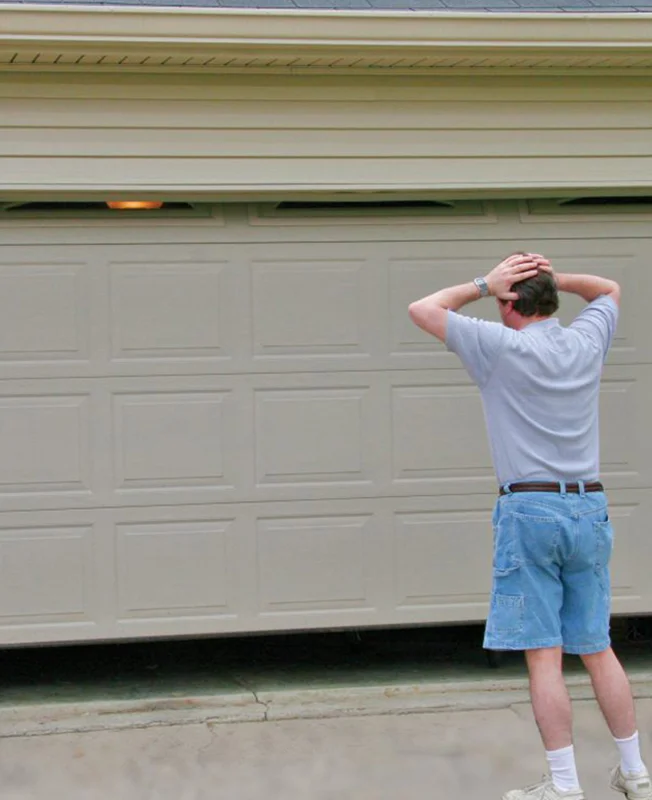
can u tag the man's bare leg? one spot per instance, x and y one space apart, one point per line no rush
613 692
614 696
550 700
553 714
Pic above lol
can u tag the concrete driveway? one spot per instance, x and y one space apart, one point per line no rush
465 754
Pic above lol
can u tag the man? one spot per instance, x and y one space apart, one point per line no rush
539 384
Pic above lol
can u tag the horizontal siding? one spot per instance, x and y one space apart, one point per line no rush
371 115
242 142
185 174
513 88
109 133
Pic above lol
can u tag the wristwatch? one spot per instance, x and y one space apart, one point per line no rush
481 283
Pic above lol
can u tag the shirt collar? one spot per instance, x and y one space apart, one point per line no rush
542 324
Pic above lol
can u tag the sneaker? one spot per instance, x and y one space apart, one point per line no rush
546 790
634 785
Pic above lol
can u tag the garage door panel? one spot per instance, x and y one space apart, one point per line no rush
45 444
47 576
44 312
174 568
313 435
175 309
163 310
320 435
170 439
310 307
625 441
442 559
438 435
632 343
628 578
314 563
179 441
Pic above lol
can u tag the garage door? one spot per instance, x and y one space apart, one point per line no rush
225 421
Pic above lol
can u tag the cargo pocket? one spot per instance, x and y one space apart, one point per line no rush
505 561
506 617
604 543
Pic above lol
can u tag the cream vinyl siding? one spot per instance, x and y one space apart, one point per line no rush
228 423
236 136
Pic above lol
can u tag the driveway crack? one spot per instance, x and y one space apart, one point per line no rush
249 688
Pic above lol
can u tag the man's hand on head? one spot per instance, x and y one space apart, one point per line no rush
512 270
431 312
544 265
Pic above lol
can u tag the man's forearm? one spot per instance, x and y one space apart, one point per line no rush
588 287
431 312
452 298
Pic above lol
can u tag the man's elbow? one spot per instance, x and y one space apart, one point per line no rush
419 314
614 293
431 319
416 312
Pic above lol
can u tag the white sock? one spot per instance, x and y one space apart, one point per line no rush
563 769
630 755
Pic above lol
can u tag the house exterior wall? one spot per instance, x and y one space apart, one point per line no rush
226 422
229 136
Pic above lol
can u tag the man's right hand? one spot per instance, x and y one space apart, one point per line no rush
512 270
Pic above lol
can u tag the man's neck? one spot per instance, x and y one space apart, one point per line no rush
523 322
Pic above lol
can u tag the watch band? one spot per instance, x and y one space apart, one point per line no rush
481 283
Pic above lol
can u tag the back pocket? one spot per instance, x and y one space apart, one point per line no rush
536 538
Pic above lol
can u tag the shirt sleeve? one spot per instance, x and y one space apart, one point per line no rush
598 321
477 343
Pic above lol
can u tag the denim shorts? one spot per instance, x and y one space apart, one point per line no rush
551 583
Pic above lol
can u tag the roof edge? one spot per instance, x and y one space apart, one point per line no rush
263 32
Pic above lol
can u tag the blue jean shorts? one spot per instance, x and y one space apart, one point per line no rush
551 582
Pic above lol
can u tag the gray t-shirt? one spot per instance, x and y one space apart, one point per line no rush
540 390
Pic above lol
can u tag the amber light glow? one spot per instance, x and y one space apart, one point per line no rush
134 205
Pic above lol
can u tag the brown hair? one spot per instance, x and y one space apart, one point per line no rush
537 296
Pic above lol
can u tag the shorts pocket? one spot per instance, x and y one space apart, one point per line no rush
536 539
604 543
505 561
506 616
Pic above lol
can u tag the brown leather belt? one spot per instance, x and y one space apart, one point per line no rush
537 486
